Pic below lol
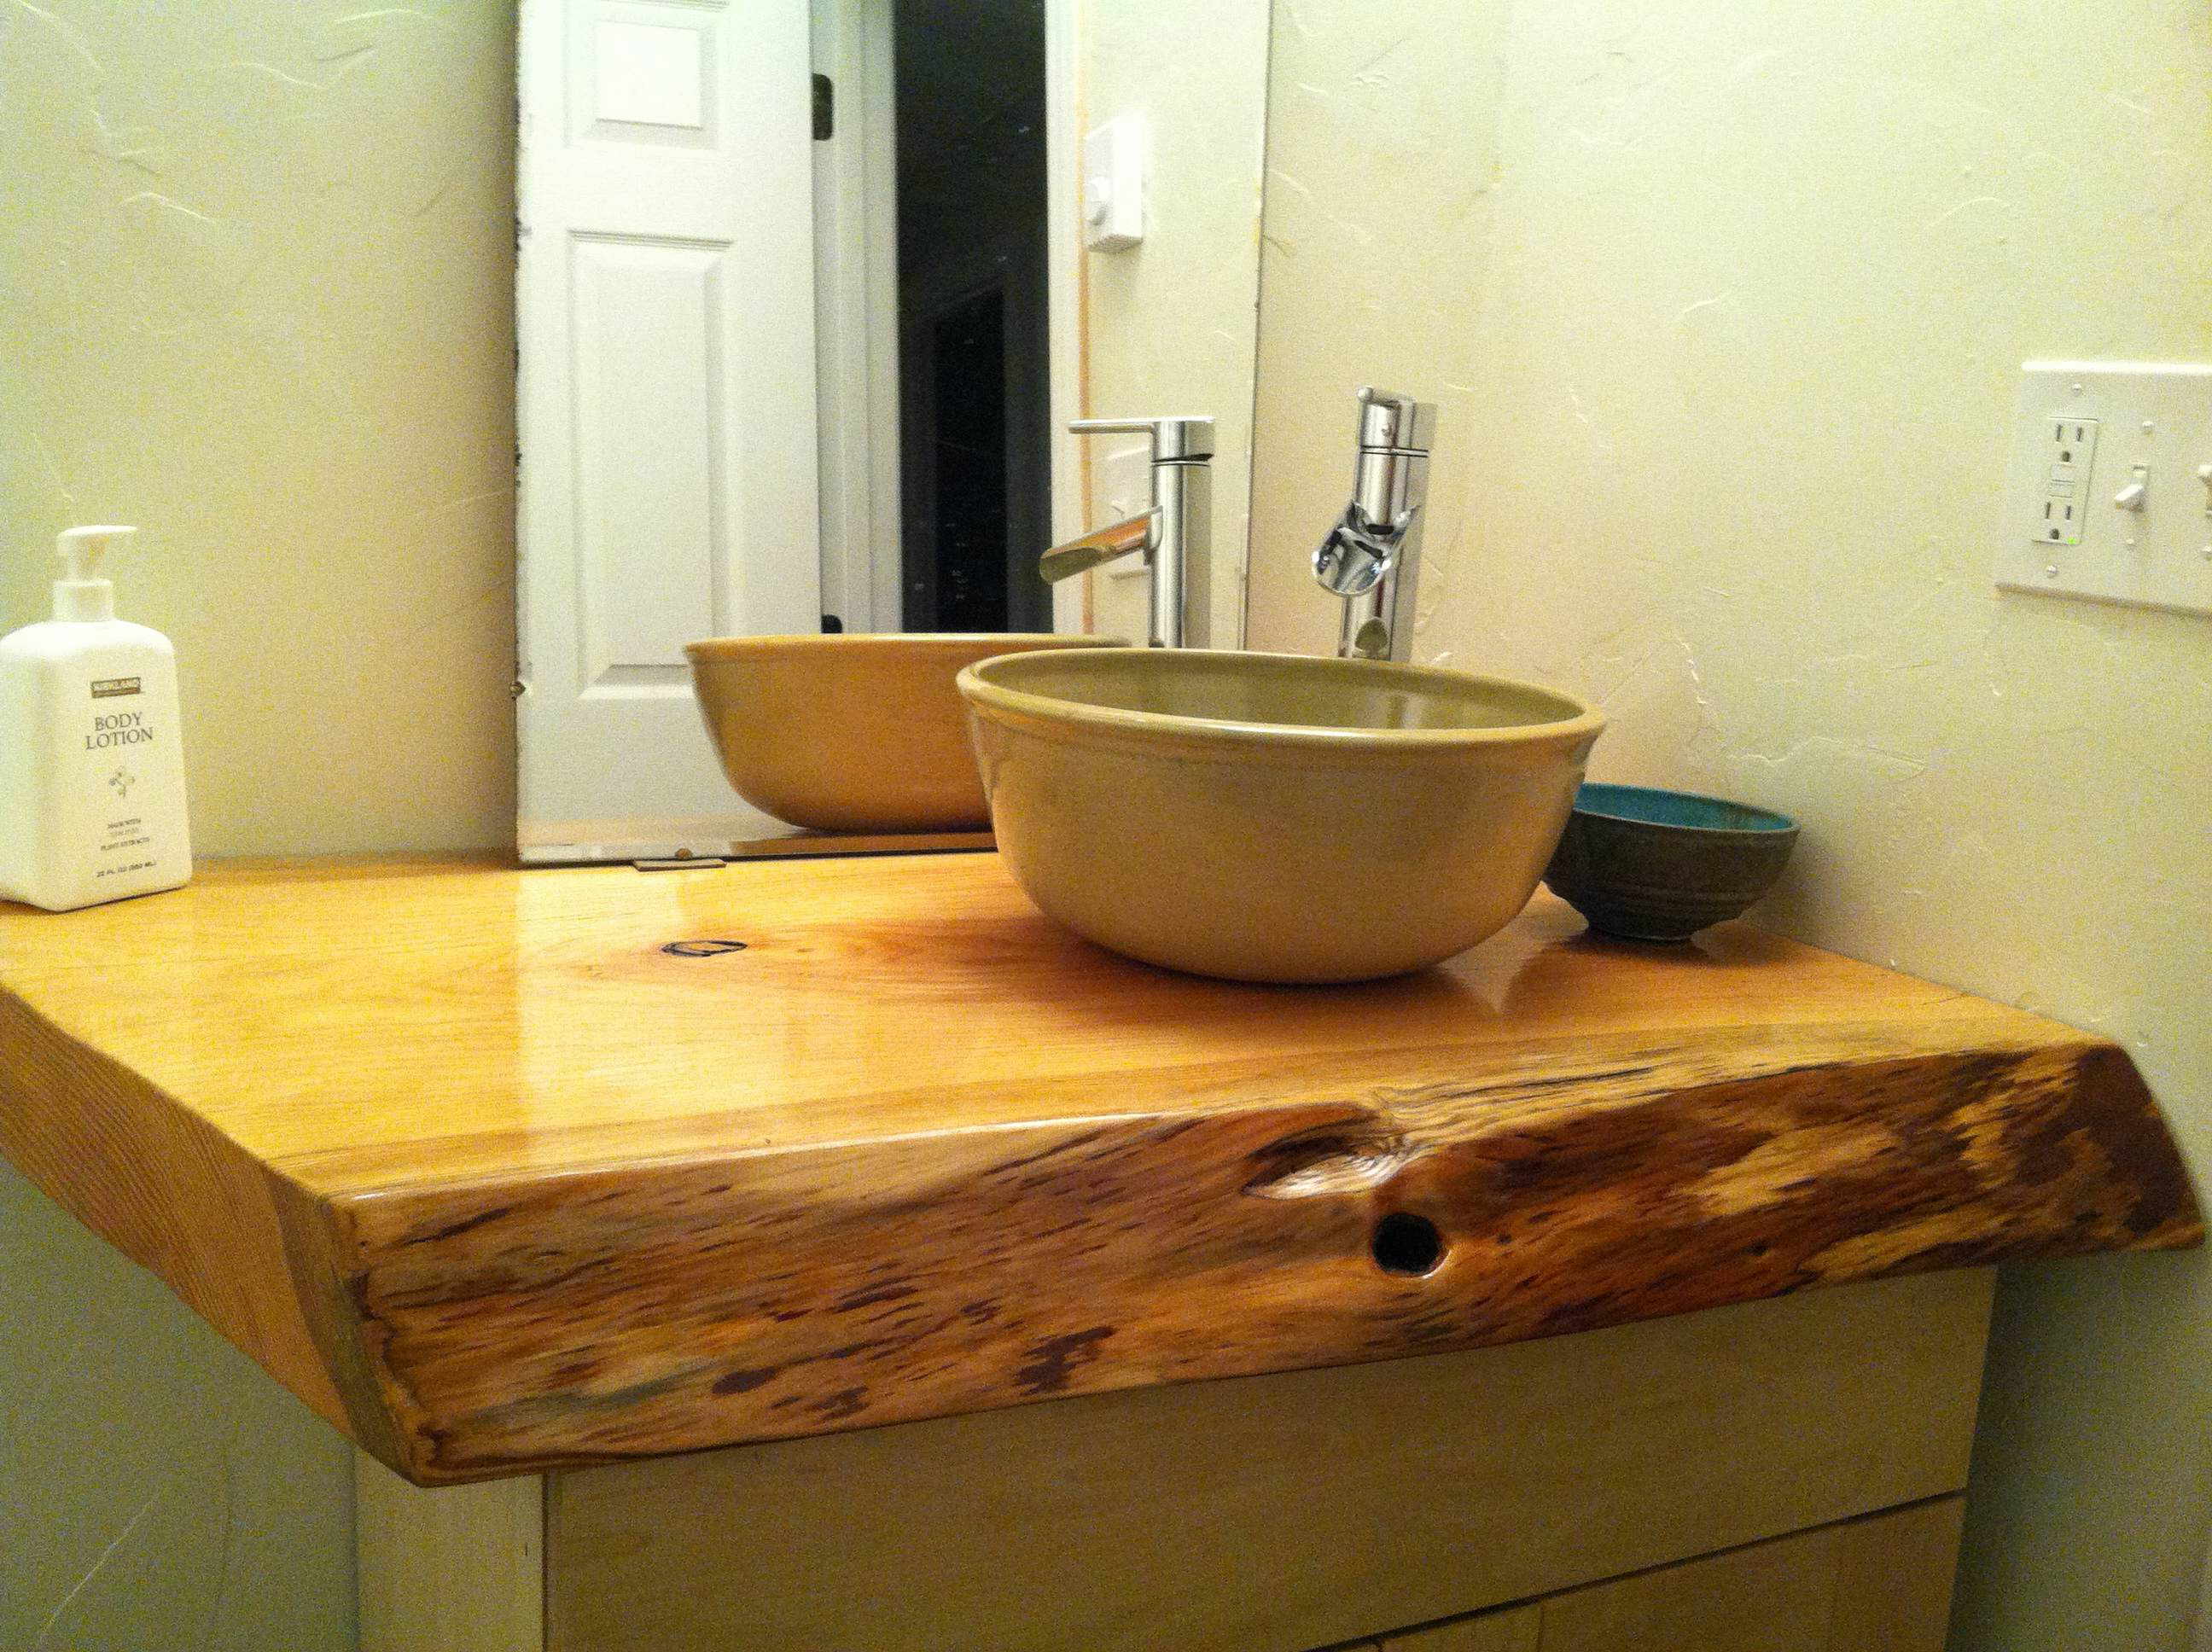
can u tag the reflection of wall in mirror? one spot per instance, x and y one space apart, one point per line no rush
1171 322
1723 307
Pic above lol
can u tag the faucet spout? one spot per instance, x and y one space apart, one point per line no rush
1371 557
1140 532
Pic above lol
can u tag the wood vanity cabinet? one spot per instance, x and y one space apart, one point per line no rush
1811 1449
699 1248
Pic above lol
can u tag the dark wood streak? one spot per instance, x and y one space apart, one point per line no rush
1057 1260
1055 1360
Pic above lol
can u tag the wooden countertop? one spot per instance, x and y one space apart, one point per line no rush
498 1169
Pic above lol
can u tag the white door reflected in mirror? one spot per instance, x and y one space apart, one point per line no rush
667 403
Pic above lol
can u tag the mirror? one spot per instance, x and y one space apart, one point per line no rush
806 307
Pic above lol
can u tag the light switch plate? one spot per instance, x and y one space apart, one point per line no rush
1124 488
2084 432
1114 185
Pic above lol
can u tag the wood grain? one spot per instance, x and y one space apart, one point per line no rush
473 1161
1880 1584
1284 1512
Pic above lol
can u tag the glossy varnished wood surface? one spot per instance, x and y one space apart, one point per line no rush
471 1161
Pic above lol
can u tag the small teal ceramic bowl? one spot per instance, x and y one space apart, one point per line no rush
1653 866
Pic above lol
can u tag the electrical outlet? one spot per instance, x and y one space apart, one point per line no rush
2070 444
2109 495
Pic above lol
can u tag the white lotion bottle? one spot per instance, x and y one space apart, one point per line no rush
92 766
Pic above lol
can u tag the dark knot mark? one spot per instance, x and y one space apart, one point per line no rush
869 1297
844 1403
702 949
1052 1361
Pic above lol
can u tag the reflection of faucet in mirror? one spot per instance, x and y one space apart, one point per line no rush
1372 556
1175 534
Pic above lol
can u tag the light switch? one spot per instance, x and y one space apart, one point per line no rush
2104 498
1114 185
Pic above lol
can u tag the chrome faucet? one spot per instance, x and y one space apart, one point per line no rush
1372 556
1175 535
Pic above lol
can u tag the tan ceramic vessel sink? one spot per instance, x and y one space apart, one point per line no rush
860 734
1271 817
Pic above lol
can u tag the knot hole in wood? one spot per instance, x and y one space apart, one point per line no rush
1408 1244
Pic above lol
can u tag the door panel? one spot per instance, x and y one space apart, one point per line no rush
645 321
668 463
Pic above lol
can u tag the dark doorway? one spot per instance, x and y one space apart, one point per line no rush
975 449
970 461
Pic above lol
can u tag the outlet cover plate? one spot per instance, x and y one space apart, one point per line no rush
2155 416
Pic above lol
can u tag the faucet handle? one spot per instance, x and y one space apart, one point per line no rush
1179 437
1390 421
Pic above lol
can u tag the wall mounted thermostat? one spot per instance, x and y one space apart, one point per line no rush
2109 495
1114 185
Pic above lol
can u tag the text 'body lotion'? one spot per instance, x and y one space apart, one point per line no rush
92 764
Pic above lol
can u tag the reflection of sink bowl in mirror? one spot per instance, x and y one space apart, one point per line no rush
860 732
1270 817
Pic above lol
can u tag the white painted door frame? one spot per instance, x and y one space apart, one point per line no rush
856 315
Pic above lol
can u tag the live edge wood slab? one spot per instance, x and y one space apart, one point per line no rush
503 1170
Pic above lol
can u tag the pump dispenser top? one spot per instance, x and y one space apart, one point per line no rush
81 594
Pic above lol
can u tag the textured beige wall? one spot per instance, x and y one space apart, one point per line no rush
1723 303
256 260
256 298
1172 322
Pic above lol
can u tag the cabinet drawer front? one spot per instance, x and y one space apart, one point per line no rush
1878 1584
1280 1513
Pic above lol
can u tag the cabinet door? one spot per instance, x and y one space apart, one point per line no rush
1511 1629
1880 1584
